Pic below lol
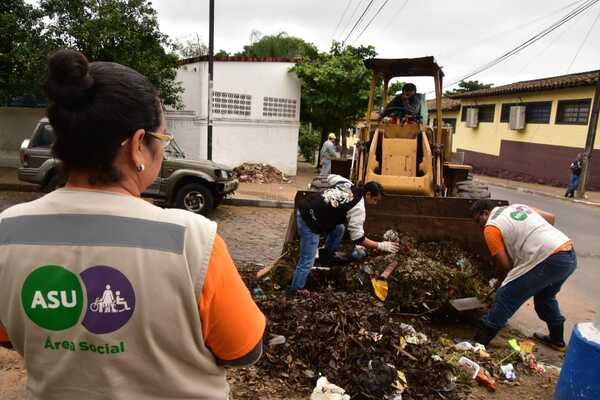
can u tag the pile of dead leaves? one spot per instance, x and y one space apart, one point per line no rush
259 173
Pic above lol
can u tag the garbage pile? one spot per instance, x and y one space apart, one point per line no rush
369 349
259 173
428 275
353 341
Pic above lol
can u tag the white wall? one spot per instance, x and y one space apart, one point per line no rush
16 124
236 138
236 143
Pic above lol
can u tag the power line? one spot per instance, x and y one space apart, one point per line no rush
358 21
587 35
341 18
508 30
371 20
548 45
572 14
395 16
347 25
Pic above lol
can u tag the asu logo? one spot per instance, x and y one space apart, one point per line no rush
53 298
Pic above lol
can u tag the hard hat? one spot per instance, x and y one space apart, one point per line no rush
331 136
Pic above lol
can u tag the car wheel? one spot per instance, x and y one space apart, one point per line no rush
196 198
55 181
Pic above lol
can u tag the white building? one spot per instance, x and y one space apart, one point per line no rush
256 111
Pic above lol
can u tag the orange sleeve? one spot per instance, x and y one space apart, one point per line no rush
493 239
3 335
232 324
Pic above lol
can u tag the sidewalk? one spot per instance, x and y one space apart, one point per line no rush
276 194
282 194
593 198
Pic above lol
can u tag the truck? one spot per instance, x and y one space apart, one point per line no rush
193 185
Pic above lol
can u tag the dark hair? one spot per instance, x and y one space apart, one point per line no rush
93 108
482 205
374 188
409 86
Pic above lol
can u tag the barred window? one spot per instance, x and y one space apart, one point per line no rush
535 112
573 112
276 107
226 103
486 112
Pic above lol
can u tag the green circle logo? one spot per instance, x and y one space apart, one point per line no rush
518 215
52 297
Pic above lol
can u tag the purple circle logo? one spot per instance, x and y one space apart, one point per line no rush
110 299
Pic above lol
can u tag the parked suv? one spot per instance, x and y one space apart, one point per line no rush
193 185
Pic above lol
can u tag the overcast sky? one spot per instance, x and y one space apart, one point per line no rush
461 34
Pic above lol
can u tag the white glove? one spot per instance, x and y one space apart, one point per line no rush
388 247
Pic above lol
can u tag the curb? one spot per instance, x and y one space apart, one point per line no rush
18 187
258 203
540 193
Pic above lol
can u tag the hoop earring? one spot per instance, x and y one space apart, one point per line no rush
141 168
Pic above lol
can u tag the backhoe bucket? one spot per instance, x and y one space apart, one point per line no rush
429 219
424 218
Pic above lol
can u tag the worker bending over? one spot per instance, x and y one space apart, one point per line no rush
534 258
326 213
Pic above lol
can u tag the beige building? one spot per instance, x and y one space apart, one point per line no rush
548 127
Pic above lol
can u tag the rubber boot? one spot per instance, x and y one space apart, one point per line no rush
555 339
484 334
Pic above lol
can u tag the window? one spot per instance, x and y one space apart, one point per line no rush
574 112
535 112
225 103
276 107
486 113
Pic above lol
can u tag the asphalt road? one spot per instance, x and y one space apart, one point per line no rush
580 296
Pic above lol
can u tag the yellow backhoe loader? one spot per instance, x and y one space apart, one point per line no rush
427 195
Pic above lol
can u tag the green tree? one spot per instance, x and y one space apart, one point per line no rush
278 45
221 53
335 87
308 141
468 86
23 53
123 31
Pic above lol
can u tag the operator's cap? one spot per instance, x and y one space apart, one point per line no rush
331 136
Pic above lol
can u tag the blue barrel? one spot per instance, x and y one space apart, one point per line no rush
580 374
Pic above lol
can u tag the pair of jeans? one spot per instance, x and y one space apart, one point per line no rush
543 283
309 245
325 167
573 185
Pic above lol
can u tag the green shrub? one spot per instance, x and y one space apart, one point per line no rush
309 142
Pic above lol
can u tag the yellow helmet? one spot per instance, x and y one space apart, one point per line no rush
331 136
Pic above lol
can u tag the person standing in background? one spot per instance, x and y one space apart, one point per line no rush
576 167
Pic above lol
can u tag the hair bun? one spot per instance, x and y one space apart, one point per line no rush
69 81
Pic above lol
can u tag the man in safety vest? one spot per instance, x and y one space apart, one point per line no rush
534 259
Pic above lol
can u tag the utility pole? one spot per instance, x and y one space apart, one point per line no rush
211 50
589 143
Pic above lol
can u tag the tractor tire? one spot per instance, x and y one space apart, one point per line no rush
196 198
472 191
467 185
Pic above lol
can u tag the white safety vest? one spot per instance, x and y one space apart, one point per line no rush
529 239
99 293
